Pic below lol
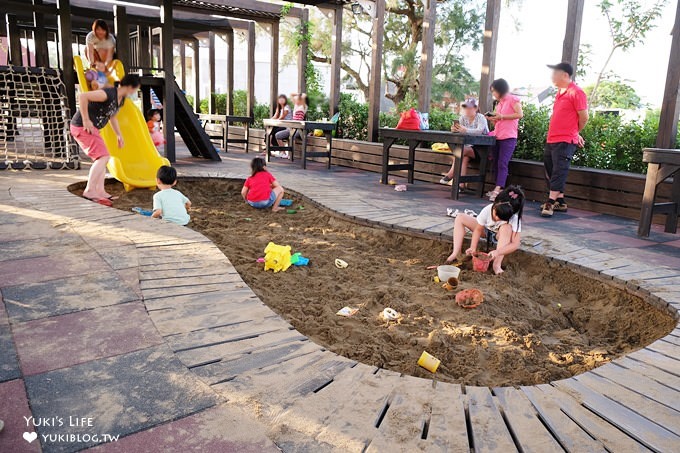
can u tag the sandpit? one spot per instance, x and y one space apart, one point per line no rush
539 321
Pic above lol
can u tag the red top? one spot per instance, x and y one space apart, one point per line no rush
564 120
259 186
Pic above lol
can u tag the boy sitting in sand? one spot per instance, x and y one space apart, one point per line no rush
502 223
262 190
170 204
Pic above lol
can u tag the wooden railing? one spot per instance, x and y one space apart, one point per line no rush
602 191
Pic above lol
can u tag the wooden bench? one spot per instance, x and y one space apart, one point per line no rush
217 128
661 165
456 142
304 127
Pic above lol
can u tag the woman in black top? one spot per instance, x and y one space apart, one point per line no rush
96 109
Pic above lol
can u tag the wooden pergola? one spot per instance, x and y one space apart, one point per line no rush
180 21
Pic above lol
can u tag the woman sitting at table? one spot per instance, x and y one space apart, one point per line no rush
470 122
299 114
282 112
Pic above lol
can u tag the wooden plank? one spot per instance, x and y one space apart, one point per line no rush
572 35
336 60
658 413
670 107
250 99
66 52
570 435
274 69
426 55
657 356
610 436
522 418
230 72
639 428
211 71
670 380
303 52
447 431
122 31
489 431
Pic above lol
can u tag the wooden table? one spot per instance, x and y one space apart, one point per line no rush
304 127
661 165
456 142
226 120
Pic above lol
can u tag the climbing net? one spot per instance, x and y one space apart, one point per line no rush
34 118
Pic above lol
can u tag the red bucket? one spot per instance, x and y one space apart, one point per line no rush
480 262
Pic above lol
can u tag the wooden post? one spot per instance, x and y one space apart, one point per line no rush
15 56
143 48
66 52
211 68
183 64
427 55
169 80
302 53
336 59
40 38
493 14
122 31
230 72
250 100
670 108
274 68
375 83
572 35
197 75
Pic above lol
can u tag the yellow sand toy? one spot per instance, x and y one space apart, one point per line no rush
136 163
276 257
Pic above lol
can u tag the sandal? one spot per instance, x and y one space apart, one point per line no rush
101 201
492 195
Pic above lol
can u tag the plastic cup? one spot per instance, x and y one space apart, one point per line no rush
429 362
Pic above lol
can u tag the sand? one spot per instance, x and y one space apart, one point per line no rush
539 321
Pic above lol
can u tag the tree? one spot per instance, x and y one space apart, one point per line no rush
614 94
459 24
629 21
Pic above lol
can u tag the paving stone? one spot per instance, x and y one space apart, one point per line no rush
40 269
9 364
122 395
83 336
218 429
13 409
56 297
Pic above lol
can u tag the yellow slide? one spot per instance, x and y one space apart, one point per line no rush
136 163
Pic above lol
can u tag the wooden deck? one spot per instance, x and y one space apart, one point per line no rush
313 400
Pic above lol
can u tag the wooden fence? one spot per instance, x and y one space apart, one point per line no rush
603 191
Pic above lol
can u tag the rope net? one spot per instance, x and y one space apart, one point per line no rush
34 119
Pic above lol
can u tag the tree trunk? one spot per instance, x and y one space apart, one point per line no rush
593 94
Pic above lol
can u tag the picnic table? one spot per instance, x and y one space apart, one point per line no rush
304 127
661 165
224 133
456 142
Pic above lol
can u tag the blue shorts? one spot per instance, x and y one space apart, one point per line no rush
264 203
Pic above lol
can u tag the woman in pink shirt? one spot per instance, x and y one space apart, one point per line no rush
506 119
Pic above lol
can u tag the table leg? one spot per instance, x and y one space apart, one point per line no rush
672 217
304 149
225 139
412 145
648 197
292 144
267 140
483 167
329 147
457 151
386 160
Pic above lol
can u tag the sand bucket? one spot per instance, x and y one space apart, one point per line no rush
470 298
481 261
447 271
429 362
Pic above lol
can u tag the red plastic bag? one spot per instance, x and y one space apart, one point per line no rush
409 120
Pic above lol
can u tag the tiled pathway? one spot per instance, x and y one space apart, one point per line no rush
105 317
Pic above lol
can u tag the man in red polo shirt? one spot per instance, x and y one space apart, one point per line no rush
569 117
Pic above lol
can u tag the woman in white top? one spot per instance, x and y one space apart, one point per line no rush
282 112
470 122
101 45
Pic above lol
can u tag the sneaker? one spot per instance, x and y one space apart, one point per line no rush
547 209
450 212
446 181
560 207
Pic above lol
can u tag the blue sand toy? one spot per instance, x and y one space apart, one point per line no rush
298 260
285 203
142 211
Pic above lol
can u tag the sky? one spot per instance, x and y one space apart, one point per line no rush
524 48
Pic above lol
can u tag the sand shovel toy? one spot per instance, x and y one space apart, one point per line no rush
340 264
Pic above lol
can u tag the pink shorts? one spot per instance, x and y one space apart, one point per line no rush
93 144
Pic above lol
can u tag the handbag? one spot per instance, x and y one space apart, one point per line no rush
409 120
